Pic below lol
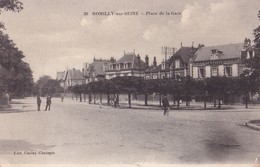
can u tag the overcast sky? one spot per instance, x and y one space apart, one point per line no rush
54 34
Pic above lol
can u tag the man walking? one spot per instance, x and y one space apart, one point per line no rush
39 102
165 103
48 103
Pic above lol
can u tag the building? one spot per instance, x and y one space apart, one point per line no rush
129 64
177 65
221 60
70 77
96 70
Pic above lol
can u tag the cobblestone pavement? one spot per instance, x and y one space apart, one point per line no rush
79 133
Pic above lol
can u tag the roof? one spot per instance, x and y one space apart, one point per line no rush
185 53
75 74
132 58
60 75
99 66
229 51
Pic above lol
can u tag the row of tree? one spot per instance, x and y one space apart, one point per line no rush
181 88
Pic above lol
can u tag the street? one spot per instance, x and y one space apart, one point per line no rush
79 133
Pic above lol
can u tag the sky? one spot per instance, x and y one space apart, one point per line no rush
55 34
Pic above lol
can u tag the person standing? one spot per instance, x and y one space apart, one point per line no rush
165 103
48 103
39 102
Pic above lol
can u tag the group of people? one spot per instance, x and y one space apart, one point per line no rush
165 103
48 103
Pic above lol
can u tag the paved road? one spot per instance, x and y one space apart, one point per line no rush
74 132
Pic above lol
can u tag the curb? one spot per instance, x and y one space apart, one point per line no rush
252 126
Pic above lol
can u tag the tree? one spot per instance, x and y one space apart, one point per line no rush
127 84
188 88
15 74
48 86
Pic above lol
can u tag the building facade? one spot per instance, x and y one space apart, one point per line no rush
70 77
97 69
129 64
177 65
221 60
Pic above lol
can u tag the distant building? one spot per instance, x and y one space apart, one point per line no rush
96 70
221 60
129 64
70 77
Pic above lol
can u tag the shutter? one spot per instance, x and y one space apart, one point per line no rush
195 72
221 70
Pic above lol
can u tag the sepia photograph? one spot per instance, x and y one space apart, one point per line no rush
111 83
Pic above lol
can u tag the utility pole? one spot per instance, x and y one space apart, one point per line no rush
167 51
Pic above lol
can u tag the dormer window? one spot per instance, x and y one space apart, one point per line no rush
250 54
215 54
163 66
177 64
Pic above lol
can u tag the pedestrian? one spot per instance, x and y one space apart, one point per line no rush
48 103
115 102
100 105
165 103
39 102
62 97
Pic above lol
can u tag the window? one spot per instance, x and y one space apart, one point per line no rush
177 64
214 71
201 72
228 71
162 76
155 76
129 65
163 66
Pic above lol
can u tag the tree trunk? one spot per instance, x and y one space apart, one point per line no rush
145 99
89 98
160 100
219 104
80 97
246 100
187 100
108 99
173 97
76 97
100 98
178 103
215 102
205 102
94 98
117 99
129 100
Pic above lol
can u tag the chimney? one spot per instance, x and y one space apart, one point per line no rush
181 44
147 60
138 61
200 46
83 71
154 62
247 43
